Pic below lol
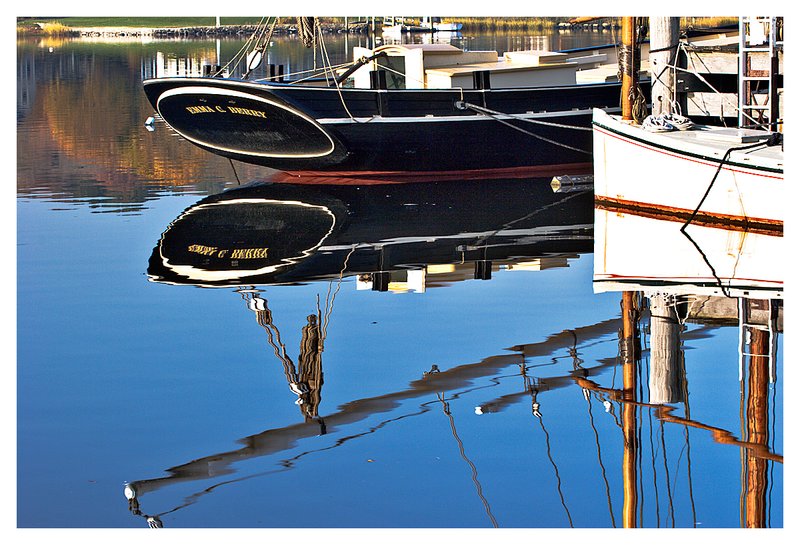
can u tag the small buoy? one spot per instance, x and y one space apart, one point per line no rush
130 492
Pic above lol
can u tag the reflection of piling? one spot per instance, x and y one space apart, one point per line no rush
629 352
756 467
666 358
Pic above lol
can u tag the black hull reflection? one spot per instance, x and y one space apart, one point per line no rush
281 234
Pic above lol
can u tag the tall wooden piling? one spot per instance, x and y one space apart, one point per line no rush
664 38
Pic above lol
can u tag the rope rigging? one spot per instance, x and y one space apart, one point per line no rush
497 116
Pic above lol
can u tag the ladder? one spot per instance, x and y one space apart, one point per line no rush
770 325
760 40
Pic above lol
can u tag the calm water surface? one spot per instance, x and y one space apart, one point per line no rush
439 360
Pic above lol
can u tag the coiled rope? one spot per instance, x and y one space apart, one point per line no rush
497 116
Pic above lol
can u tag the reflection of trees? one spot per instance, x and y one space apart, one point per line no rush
84 135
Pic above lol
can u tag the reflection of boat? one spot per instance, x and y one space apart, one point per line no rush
280 233
702 274
712 174
397 108
356 415
705 260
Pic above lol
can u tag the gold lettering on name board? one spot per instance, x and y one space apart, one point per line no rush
247 111
240 253
249 253
200 110
231 109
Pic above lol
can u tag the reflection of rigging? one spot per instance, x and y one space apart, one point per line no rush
667 360
305 383
305 380
462 452
277 440
533 388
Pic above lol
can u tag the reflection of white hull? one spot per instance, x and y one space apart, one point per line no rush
635 253
671 171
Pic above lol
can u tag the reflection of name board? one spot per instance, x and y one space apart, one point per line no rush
221 110
238 253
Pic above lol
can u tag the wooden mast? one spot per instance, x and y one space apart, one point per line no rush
629 312
628 42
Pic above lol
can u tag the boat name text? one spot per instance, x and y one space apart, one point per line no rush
238 253
221 110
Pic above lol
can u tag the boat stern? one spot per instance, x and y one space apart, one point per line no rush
243 121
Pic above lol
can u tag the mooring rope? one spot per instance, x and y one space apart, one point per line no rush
497 117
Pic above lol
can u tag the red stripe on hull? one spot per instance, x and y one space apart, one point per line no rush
403 177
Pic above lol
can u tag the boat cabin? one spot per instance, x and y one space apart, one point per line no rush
443 66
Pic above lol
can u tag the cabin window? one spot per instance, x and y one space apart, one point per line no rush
395 68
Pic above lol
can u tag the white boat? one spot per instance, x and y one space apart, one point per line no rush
711 175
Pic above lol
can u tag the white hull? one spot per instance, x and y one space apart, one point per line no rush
634 253
670 172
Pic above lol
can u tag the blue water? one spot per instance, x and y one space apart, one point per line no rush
176 390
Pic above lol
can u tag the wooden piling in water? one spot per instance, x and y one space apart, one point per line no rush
664 38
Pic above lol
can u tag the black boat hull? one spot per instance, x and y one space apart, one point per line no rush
319 129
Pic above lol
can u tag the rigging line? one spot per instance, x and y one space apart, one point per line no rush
725 289
264 319
555 467
336 82
312 71
666 474
722 95
238 182
687 412
253 40
486 506
489 111
329 302
639 463
520 129
771 463
655 471
705 195
508 225
600 461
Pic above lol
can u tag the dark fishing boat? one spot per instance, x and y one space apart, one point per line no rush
272 233
400 108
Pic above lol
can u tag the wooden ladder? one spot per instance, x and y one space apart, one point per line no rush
759 43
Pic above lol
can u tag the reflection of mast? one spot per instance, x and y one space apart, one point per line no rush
756 451
307 383
629 350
